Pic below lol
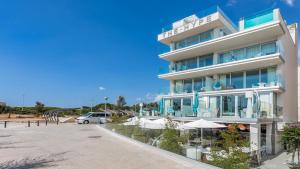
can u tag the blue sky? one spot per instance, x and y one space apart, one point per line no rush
70 53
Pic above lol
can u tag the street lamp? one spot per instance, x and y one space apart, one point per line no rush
105 98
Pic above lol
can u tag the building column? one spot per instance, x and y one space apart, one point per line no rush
269 138
255 136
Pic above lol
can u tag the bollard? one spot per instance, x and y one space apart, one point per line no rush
56 122
5 124
38 123
28 123
46 122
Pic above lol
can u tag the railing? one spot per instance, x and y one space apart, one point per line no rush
259 110
278 81
231 56
258 19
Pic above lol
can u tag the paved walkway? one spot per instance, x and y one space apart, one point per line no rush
71 146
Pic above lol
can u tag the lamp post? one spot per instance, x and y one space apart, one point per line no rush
23 98
105 98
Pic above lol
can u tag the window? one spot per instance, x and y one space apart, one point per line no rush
252 78
237 80
205 36
206 60
188 87
177 107
239 54
225 57
228 105
178 86
202 37
186 64
242 106
253 51
187 107
225 80
268 48
199 84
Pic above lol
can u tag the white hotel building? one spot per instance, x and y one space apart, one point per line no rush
244 74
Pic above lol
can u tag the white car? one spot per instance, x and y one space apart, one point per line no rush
93 117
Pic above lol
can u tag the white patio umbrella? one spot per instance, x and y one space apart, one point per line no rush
158 124
135 121
202 124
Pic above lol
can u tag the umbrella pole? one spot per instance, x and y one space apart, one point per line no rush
201 136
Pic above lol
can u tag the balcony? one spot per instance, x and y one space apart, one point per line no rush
202 21
225 108
214 87
231 61
267 31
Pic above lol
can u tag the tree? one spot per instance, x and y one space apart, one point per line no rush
39 108
171 138
228 154
120 102
291 140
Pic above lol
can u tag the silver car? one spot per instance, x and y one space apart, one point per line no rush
93 117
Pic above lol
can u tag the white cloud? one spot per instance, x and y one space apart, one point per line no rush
289 2
101 88
231 2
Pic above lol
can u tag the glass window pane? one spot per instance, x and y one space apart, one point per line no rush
242 106
205 36
178 86
191 63
225 57
192 40
237 80
239 54
177 107
199 84
269 48
188 86
228 105
225 80
264 75
187 107
253 51
252 78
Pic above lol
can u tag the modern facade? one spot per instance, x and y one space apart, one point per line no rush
225 73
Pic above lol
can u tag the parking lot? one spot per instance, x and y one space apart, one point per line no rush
69 146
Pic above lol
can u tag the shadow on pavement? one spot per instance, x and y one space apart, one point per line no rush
31 163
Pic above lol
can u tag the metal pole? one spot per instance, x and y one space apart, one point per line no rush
22 102
38 123
46 122
5 123
28 123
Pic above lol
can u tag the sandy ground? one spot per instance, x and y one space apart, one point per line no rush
72 146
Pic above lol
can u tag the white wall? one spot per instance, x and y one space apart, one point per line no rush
289 71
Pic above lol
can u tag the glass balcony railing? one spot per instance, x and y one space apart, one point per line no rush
258 19
258 50
251 81
257 109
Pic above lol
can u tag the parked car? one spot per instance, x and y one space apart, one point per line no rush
93 117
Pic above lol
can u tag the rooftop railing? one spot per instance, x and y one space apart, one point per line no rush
258 19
